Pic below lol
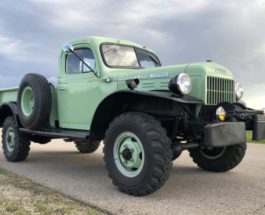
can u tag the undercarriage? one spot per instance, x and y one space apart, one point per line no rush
207 131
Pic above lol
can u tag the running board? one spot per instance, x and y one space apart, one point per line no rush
57 133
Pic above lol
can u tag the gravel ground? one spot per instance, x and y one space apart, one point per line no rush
19 196
189 190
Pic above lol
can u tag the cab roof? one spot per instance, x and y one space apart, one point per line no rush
96 41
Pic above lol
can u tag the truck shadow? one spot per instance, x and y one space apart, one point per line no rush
87 171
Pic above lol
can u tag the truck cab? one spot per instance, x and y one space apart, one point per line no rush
80 89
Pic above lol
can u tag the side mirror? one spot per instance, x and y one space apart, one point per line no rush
68 48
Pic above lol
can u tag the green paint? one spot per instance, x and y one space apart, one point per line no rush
54 115
128 154
10 139
77 96
9 94
27 101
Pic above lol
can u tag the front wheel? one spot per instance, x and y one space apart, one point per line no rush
219 159
137 153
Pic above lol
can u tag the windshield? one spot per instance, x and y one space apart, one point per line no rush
121 56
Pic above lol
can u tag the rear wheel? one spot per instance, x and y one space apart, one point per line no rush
34 101
88 146
137 153
15 146
219 159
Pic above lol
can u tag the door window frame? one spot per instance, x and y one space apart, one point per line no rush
81 73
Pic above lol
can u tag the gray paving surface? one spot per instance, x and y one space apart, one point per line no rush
189 190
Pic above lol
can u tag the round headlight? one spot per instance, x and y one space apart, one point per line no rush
181 84
239 90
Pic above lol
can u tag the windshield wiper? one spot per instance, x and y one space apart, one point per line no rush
112 47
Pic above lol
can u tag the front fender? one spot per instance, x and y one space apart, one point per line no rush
129 100
167 95
8 109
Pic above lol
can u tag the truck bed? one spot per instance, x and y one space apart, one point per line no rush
8 95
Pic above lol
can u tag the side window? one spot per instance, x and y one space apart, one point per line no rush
75 66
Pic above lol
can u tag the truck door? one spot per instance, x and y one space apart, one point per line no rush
77 90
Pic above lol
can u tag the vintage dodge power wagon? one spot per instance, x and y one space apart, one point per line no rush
117 91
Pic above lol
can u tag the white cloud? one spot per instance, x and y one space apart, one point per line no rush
51 1
18 50
254 95
71 20
69 15
75 15
12 48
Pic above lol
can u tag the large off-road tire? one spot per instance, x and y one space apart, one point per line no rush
15 146
219 159
88 146
137 153
34 101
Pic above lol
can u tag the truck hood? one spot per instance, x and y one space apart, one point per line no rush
159 77
151 78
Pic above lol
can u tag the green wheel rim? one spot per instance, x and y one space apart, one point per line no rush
10 139
27 101
129 154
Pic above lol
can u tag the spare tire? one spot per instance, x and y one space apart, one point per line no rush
34 101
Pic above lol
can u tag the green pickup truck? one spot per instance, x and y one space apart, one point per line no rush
145 113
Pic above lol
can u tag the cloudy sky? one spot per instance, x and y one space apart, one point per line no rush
229 32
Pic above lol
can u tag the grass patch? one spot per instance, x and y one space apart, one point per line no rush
249 138
19 196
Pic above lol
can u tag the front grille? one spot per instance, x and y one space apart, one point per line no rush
220 90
